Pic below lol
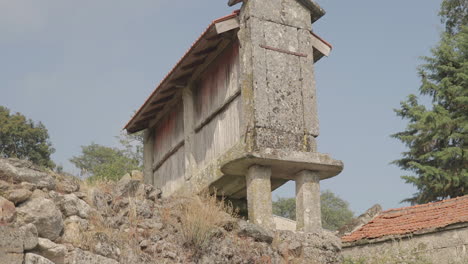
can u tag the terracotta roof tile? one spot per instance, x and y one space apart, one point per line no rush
411 219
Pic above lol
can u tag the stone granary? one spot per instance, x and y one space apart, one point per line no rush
238 112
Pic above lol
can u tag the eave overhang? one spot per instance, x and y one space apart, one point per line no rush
218 33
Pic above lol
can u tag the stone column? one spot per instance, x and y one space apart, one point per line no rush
259 196
189 110
148 156
308 215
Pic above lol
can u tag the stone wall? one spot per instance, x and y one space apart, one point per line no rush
446 246
48 218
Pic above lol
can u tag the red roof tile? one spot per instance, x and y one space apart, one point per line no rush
411 219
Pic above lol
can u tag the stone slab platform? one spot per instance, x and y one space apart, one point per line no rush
285 164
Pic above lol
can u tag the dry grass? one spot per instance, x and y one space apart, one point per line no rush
392 255
201 217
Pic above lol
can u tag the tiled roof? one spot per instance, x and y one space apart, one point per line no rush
412 219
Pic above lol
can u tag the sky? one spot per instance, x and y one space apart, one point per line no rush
83 67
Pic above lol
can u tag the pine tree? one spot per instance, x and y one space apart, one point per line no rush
436 136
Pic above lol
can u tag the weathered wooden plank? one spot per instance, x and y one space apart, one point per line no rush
319 45
227 25
170 176
169 133
218 83
219 135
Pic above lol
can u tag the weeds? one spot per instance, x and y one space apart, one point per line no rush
200 219
393 255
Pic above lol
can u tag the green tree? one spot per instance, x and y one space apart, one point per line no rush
99 162
436 136
335 211
454 15
132 145
22 138
285 207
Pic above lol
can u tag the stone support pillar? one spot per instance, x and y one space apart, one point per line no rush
189 123
148 156
308 215
259 196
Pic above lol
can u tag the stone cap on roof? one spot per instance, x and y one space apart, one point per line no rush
413 220
315 10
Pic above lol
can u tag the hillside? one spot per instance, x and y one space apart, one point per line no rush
47 218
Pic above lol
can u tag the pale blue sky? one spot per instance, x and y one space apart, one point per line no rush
83 67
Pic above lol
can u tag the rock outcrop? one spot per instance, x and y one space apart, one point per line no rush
51 218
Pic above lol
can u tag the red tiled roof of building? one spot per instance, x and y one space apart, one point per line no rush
411 219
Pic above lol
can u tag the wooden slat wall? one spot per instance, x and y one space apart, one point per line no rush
168 136
169 133
219 82
170 176
218 135
218 86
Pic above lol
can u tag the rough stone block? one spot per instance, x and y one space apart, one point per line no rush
280 11
44 215
24 171
7 211
51 251
30 234
79 256
11 258
12 240
70 205
270 138
31 258
308 212
259 196
18 195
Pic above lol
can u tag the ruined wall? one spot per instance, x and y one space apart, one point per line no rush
218 108
444 247
169 152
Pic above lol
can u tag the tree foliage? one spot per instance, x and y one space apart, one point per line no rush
335 211
285 207
99 162
436 136
22 138
454 15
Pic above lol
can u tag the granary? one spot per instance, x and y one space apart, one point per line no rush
238 112
438 231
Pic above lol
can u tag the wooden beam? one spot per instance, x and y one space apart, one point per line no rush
319 45
206 51
182 80
233 2
153 110
227 25
193 64
162 100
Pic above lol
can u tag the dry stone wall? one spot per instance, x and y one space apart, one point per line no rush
50 218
